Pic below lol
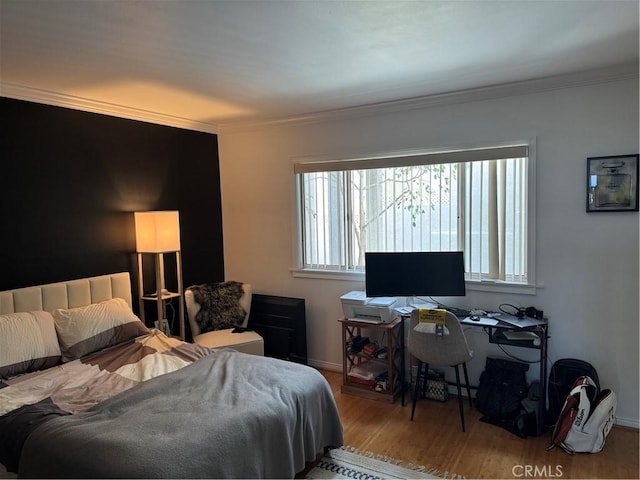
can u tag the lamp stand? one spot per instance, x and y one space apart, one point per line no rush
162 296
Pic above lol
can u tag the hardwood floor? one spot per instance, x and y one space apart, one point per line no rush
435 439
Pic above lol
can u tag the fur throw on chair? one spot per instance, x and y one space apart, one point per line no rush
219 305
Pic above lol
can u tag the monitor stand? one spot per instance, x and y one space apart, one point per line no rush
417 303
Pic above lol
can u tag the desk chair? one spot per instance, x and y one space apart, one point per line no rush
247 341
450 349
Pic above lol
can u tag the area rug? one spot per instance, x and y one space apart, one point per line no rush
346 462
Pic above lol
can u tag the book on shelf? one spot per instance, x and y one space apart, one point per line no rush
367 371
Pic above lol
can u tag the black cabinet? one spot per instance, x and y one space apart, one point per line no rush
281 321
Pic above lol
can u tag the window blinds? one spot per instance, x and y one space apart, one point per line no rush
458 156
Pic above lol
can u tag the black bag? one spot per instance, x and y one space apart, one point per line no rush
532 411
502 387
562 376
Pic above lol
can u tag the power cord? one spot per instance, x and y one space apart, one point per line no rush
169 305
516 312
510 355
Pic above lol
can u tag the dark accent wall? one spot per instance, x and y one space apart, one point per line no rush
70 180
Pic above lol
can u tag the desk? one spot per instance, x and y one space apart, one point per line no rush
496 332
498 335
541 329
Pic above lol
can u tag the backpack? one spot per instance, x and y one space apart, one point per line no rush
562 376
585 419
501 389
532 411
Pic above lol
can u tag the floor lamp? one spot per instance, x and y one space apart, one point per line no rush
158 233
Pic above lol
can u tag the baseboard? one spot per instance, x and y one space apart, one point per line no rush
628 422
333 367
631 423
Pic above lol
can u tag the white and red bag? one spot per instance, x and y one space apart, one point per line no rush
585 419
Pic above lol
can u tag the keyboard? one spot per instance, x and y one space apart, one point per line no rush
458 312
404 310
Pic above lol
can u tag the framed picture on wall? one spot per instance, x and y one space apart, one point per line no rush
612 183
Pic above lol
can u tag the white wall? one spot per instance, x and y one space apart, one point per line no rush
587 264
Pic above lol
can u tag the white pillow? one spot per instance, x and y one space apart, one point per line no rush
28 343
84 330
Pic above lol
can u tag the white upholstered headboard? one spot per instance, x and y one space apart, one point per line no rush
71 294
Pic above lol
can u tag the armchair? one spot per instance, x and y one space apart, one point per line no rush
205 307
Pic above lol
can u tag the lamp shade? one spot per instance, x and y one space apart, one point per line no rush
157 232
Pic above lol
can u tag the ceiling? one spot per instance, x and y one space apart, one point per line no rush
223 62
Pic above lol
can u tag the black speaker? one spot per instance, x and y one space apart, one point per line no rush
533 312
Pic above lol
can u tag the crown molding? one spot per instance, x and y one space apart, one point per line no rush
573 80
591 77
20 92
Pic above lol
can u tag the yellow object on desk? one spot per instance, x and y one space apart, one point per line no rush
432 315
431 320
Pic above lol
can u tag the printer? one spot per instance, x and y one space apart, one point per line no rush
357 306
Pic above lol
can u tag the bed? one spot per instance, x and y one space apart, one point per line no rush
88 391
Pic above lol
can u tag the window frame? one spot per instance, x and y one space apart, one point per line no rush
417 157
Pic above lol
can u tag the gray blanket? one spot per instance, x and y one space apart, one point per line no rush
228 415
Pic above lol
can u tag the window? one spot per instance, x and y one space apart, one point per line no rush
478 201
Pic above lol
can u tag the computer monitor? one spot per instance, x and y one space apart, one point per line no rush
405 274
